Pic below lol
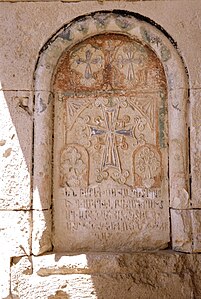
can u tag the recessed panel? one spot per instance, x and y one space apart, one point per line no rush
110 183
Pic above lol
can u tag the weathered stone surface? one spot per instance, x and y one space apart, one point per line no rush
186 230
181 223
143 275
41 233
178 150
15 149
110 145
103 79
21 267
4 274
92 276
195 147
27 41
196 230
42 151
15 232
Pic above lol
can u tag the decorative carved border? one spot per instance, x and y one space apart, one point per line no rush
74 32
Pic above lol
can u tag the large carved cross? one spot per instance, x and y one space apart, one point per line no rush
110 156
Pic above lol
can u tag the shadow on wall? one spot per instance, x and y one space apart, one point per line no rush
124 275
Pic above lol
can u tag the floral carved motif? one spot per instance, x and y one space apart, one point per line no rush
74 166
147 165
87 61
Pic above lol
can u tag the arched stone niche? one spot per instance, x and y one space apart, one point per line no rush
110 137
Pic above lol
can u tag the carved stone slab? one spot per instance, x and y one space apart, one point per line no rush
110 147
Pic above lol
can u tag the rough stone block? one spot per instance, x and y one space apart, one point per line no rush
15 149
195 146
15 227
196 230
21 267
181 230
41 234
42 151
186 230
4 275
116 276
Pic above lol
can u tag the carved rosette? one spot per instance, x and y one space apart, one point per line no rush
87 62
74 166
147 166
129 60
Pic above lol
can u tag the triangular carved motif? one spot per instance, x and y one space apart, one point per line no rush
74 107
146 106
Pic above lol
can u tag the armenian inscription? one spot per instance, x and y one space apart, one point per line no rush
110 151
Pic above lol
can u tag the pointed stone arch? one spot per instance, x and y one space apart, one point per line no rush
177 88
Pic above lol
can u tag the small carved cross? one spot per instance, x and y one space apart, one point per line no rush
88 61
128 60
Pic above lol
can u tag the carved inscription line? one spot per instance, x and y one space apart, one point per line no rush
114 220
113 210
113 192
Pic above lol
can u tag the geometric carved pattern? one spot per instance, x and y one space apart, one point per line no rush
74 108
146 105
110 111
111 121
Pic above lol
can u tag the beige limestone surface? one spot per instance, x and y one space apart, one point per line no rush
15 149
24 30
15 236
110 146
107 275
44 19
72 114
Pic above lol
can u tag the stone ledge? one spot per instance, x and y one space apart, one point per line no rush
163 274
107 263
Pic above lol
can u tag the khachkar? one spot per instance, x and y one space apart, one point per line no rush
110 150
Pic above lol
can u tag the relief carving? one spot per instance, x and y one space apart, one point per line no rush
109 61
87 61
147 166
147 107
74 107
129 60
114 132
113 124
111 168
74 166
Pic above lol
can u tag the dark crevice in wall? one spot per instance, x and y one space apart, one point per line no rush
52 170
189 159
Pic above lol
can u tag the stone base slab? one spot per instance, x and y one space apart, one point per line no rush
163 274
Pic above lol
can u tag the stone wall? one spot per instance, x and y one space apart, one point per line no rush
27 31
